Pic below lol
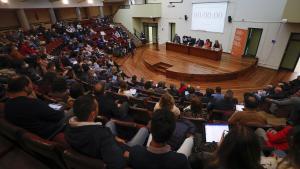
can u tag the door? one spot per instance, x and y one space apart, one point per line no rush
253 40
172 31
292 53
154 34
151 32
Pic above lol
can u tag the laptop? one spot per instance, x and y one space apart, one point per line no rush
214 132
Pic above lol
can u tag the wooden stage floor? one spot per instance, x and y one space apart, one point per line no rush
193 68
254 79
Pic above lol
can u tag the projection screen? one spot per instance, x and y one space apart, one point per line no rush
209 16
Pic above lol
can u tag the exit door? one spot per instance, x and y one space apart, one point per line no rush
292 53
253 41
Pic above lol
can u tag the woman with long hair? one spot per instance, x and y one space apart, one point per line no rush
240 149
167 102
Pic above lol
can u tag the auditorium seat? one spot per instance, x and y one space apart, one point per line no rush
140 115
11 131
75 160
46 151
120 98
220 115
127 130
5 146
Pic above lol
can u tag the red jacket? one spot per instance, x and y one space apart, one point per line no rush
279 140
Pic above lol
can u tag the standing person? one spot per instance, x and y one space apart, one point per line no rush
131 47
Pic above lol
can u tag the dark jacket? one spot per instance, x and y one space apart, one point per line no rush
141 158
34 115
96 141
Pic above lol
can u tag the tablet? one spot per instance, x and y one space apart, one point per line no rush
55 106
133 91
214 132
239 107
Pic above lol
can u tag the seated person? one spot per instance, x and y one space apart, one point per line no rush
293 102
228 103
107 106
218 95
182 137
159 154
161 87
196 106
292 161
176 39
167 102
133 82
207 44
200 43
250 114
185 40
59 90
123 89
239 149
95 140
217 45
273 139
208 95
172 90
30 113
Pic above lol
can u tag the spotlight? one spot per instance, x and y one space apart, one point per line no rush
4 1
90 1
65 1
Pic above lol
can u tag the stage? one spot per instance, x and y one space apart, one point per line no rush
255 79
186 67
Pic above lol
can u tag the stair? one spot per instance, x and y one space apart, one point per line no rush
161 67
136 40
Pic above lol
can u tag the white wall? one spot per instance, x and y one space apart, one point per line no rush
47 4
265 14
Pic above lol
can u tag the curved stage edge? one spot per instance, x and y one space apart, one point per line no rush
192 68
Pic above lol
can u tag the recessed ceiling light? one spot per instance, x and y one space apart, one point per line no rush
65 1
90 1
4 1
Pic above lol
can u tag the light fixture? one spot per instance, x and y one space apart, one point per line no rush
4 1
90 1
65 1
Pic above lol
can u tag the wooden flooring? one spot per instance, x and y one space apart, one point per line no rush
194 68
253 80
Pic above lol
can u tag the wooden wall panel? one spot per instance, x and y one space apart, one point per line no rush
38 16
8 18
66 14
93 11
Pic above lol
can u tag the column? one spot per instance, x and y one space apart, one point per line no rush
23 19
101 11
52 16
78 13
